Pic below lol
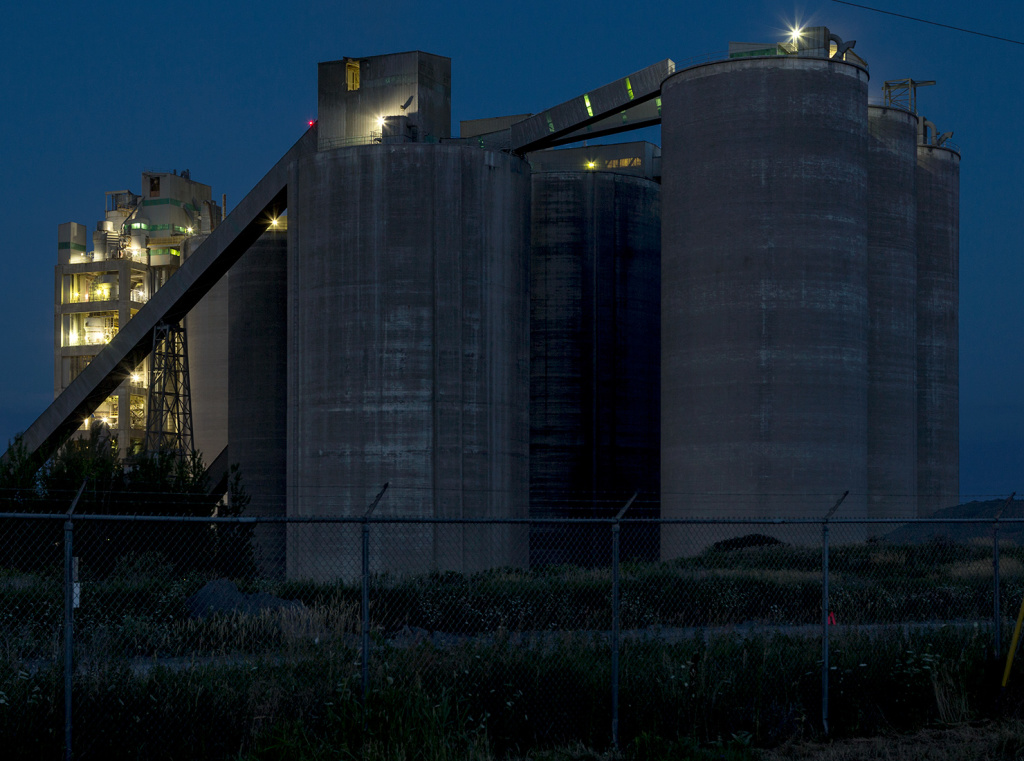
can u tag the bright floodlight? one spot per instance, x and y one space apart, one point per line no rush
795 33
380 121
591 164
273 223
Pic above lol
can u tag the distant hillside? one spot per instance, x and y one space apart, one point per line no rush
965 532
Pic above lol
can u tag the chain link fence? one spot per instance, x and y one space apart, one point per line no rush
170 637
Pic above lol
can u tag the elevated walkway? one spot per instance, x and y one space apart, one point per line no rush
625 104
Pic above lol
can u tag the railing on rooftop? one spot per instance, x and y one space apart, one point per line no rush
329 143
725 55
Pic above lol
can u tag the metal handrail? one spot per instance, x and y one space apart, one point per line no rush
344 142
950 145
724 55
698 60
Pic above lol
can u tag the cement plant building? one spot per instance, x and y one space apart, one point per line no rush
747 321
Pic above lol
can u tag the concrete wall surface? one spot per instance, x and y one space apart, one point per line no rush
892 313
938 336
415 85
258 410
206 329
764 291
408 352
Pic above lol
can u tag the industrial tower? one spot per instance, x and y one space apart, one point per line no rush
136 248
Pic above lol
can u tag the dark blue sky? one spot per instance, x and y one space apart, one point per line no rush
93 95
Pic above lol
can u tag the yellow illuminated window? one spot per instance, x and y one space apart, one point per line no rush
352 75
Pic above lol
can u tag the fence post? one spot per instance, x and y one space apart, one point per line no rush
69 618
996 634
825 612
365 612
615 635
824 625
997 625
615 622
365 609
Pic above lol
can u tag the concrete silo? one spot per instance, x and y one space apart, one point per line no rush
206 327
408 353
594 362
938 342
258 385
237 340
764 292
892 315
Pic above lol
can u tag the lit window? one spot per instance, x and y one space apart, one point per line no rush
352 75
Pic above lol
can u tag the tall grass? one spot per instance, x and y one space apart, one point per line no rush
138 609
503 700
504 663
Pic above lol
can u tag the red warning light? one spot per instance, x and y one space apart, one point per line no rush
312 122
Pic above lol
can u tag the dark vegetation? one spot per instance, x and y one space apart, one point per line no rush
720 654
501 701
531 671
154 485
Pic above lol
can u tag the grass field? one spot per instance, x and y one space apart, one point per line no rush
525 669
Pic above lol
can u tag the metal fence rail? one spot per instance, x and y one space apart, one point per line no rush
641 625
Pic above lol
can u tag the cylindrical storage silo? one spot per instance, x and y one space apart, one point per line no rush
764 294
938 337
408 355
258 389
206 326
594 364
892 315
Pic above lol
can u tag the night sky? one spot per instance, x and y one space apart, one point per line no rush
94 95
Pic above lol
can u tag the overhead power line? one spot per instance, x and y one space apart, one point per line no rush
933 23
